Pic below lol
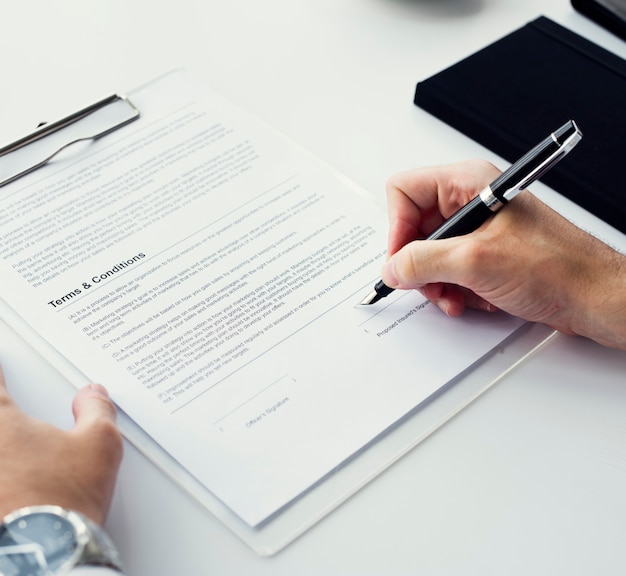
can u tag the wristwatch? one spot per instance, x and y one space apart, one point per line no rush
50 540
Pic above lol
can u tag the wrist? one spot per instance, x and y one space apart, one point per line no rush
601 308
50 540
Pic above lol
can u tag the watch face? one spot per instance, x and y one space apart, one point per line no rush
36 544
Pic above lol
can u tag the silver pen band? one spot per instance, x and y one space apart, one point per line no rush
490 199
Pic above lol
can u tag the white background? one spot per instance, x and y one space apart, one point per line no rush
528 480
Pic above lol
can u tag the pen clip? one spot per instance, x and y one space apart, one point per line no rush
542 158
565 148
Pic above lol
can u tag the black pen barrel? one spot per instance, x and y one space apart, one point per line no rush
464 221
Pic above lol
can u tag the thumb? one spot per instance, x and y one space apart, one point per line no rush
3 386
5 397
99 449
92 404
422 262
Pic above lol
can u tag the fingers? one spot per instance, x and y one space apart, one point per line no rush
420 200
409 207
3 385
92 404
453 299
100 444
441 270
5 397
76 469
422 262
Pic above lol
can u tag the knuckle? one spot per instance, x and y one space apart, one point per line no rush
470 256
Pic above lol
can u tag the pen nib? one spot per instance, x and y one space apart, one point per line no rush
371 298
380 291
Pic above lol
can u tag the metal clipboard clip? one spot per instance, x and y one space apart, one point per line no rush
37 149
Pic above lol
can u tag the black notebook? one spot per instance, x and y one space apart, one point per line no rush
513 93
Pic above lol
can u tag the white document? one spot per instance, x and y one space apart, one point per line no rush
208 273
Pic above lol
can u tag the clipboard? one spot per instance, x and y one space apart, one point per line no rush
341 483
50 140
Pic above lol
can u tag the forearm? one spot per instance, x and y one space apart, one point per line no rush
600 300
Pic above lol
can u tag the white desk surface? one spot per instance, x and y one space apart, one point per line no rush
530 479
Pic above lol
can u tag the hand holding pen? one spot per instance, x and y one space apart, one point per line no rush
480 208
528 260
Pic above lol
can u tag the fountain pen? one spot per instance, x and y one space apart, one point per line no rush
490 199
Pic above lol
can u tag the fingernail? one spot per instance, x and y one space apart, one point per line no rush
99 389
